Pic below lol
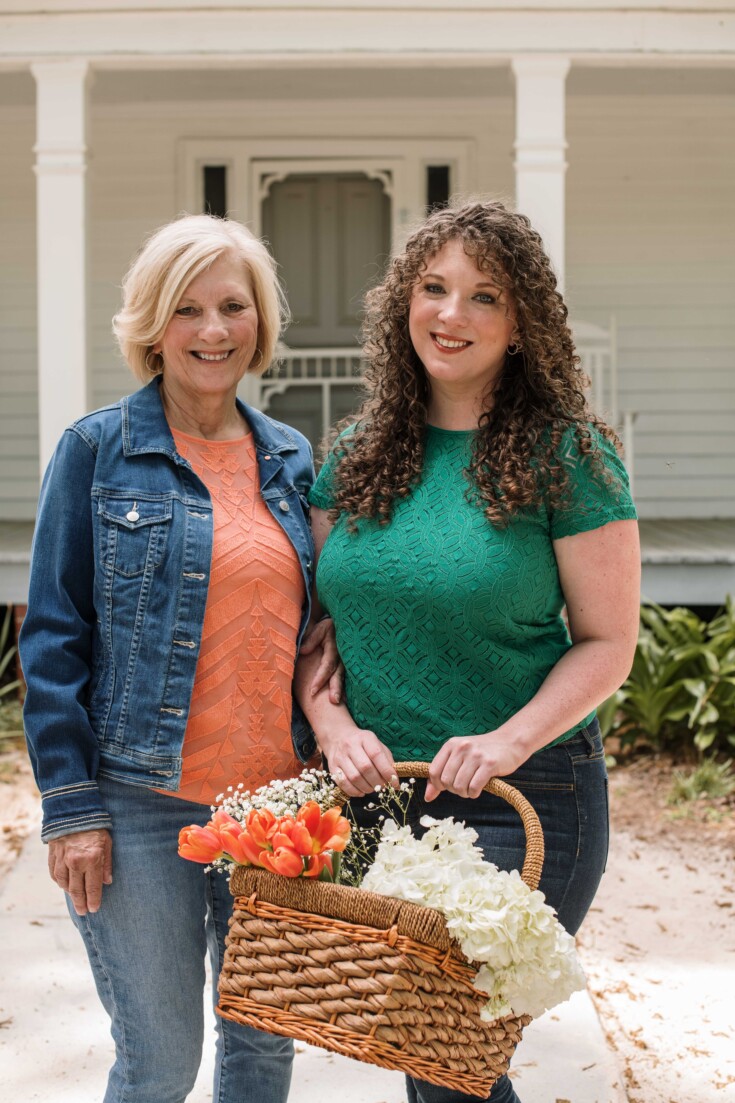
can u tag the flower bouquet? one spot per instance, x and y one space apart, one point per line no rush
432 967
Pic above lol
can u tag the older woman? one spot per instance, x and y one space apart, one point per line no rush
170 582
476 495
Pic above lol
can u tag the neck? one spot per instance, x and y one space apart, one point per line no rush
211 418
450 412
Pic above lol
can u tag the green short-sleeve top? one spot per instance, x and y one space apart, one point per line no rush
448 625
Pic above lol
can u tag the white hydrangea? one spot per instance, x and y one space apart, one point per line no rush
527 960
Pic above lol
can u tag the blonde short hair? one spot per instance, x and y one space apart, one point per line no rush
170 259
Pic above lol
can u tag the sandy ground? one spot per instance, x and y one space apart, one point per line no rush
18 805
658 946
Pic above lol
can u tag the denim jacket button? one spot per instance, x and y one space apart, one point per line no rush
284 506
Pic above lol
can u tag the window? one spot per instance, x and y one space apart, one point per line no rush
215 190
437 187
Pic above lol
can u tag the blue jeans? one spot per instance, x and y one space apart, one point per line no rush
567 786
147 946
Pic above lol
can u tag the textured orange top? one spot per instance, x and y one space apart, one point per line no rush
239 727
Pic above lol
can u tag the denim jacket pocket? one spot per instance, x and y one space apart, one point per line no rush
135 532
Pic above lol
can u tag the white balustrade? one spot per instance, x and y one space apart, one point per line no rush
326 368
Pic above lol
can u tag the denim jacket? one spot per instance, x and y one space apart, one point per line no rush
119 576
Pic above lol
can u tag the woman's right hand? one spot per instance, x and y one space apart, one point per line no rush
80 864
358 761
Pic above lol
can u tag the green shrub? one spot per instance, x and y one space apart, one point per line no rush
709 779
8 652
681 689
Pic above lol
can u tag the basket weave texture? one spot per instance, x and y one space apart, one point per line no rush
368 976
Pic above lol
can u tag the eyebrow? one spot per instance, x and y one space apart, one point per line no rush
484 283
230 294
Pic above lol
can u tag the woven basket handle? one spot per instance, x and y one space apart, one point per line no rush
534 860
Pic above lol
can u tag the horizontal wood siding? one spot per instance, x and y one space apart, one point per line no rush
651 239
134 187
19 475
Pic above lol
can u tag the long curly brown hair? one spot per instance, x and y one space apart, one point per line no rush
537 398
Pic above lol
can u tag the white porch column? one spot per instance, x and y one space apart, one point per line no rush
61 164
540 149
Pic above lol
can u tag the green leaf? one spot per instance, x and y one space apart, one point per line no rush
703 740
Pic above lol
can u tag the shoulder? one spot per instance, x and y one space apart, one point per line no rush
586 450
271 433
92 427
289 434
598 486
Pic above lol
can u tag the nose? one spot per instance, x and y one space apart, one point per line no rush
452 309
212 327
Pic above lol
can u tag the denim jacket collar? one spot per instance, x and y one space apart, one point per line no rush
145 428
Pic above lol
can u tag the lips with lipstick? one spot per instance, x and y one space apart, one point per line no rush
449 344
212 357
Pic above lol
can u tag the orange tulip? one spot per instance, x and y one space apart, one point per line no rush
334 830
301 839
309 815
327 831
260 825
316 863
240 847
283 860
200 844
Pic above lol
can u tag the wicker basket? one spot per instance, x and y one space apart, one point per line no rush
367 976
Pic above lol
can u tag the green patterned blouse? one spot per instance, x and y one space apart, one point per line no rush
447 625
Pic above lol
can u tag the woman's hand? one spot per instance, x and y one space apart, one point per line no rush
465 764
330 670
358 761
81 863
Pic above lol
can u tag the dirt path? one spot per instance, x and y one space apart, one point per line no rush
659 944
19 804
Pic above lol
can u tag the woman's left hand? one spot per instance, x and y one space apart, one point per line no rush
465 764
330 670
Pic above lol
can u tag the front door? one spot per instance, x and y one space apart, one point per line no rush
330 233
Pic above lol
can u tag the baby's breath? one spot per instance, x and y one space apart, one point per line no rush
282 798
391 802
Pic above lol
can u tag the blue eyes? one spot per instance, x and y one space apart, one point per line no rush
483 297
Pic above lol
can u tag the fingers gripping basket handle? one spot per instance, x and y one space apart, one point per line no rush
533 864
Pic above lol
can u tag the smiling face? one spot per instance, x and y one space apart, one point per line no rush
210 341
461 323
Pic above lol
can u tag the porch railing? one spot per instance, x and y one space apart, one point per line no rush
326 368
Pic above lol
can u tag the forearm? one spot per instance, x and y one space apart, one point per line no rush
327 718
357 759
584 677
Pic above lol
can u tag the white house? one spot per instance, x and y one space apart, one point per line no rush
330 126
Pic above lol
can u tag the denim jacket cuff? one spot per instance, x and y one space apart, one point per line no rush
71 808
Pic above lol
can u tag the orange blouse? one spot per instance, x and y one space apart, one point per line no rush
239 726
